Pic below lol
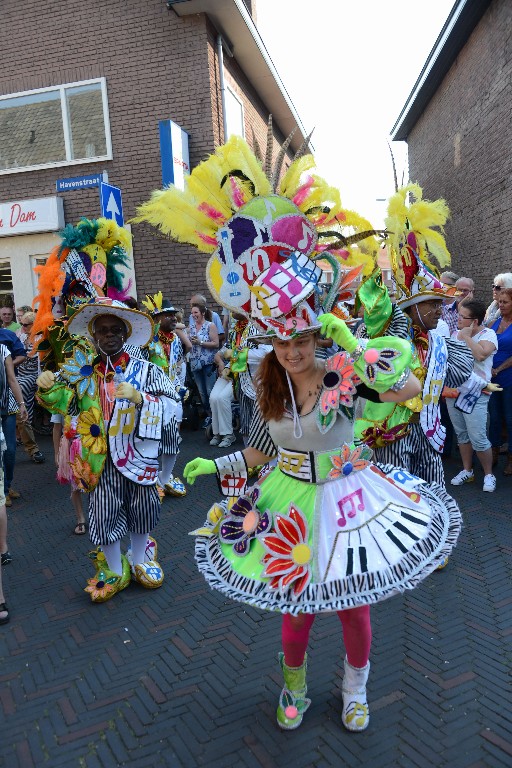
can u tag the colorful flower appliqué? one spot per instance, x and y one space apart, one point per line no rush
379 360
88 427
350 461
84 476
338 383
288 557
79 370
243 523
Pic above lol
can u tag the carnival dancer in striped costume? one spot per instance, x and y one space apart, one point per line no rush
167 350
121 429
325 530
409 434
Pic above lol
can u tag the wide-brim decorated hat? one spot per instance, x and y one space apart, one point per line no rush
140 329
412 241
265 234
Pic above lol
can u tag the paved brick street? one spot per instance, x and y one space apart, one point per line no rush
181 677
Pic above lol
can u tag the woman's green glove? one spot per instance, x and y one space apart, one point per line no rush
381 363
198 467
336 329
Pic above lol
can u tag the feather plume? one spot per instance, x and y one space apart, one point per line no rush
279 161
419 217
51 279
303 191
267 168
153 302
212 213
291 181
256 147
304 147
237 192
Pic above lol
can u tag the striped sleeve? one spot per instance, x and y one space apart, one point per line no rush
460 363
259 436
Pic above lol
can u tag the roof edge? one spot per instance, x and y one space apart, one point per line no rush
462 20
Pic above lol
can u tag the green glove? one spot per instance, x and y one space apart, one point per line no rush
380 363
336 329
198 467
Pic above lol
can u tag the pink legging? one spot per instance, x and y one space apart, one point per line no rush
357 635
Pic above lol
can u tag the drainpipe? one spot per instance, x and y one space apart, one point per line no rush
220 56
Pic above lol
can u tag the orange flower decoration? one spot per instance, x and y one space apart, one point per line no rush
349 461
83 474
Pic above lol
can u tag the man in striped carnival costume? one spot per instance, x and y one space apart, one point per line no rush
410 434
117 434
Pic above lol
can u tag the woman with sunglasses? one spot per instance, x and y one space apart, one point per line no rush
503 280
27 373
471 425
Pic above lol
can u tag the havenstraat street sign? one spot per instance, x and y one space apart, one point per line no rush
81 182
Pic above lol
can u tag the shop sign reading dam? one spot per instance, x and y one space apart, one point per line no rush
23 217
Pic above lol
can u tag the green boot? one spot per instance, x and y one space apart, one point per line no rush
292 702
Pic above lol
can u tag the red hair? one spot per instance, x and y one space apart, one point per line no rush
272 389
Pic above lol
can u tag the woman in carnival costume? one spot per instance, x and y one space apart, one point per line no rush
326 530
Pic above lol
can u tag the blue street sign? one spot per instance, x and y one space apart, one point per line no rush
111 203
81 182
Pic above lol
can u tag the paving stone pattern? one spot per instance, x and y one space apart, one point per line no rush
182 677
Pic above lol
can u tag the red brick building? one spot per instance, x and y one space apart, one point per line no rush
83 89
457 122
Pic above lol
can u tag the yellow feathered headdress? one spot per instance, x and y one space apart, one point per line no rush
412 241
264 233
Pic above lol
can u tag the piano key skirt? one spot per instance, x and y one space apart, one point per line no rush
327 531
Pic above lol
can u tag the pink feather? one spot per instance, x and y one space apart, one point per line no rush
213 213
237 194
303 191
208 239
114 293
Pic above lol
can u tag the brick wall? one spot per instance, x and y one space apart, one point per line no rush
460 149
157 66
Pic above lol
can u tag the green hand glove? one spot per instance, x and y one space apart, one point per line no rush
380 363
336 329
198 467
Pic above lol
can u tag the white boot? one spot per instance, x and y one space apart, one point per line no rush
355 716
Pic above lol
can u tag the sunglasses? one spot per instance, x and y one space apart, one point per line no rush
25 325
497 287
465 318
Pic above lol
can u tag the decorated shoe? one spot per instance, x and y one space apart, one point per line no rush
355 715
175 487
150 554
149 574
105 583
292 701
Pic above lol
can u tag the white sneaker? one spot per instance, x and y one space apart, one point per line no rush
463 477
226 441
489 483
215 440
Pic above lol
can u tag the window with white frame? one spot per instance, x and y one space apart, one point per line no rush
234 114
61 125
